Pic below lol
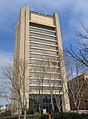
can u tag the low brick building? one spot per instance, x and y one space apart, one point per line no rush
78 92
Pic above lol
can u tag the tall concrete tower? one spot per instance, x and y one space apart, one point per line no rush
38 42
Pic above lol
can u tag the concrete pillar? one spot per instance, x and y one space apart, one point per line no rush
65 102
27 54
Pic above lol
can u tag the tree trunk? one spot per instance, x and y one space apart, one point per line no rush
25 114
19 110
58 103
77 111
52 103
39 101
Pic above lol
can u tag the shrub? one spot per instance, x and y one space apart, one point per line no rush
71 116
43 116
37 116
5 114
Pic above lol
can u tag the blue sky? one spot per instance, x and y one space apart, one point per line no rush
71 13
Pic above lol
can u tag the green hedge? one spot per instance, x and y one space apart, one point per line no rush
71 116
56 116
67 116
34 117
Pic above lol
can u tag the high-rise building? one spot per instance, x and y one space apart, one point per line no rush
38 43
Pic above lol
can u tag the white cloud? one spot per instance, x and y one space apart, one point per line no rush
9 10
5 58
72 11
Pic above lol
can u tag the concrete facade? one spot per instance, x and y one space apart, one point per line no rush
38 42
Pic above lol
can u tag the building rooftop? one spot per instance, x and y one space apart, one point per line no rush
42 14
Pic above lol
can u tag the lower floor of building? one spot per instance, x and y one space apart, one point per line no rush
45 103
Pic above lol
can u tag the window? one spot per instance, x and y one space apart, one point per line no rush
45 88
46 41
42 51
42 46
42 30
43 36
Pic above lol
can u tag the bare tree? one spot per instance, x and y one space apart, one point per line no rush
44 72
77 90
2 94
52 64
81 54
76 83
39 75
15 84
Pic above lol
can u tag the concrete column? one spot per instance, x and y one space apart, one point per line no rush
27 54
65 102
14 102
21 33
16 42
22 43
